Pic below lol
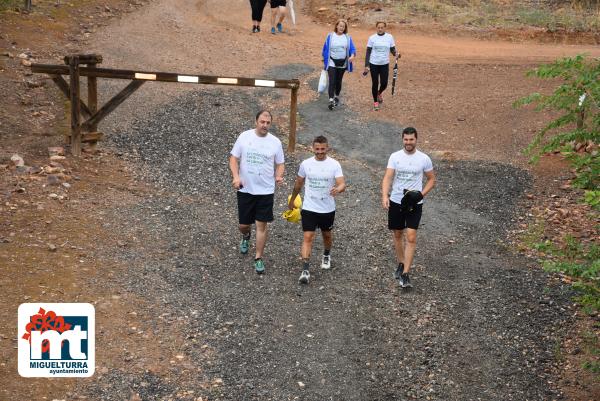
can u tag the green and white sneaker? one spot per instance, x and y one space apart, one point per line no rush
259 266
244 246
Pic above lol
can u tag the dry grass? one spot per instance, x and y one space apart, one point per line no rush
577 16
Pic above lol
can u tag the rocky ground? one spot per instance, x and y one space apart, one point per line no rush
352 334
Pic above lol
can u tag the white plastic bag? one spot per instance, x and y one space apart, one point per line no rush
323 81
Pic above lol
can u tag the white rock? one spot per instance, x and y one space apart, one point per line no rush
17 160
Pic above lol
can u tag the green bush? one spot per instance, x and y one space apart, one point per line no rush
577 100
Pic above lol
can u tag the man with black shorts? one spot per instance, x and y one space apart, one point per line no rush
324 180
256 164
405 170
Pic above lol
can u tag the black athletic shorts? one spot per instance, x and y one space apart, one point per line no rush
399 219
254 207
312 220
278 3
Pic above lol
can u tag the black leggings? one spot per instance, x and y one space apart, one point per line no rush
335 80
257 9
379 78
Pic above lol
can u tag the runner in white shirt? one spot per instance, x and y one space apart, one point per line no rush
256 164
377 61
404 174
322 179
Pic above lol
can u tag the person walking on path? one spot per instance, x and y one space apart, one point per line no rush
404 173
278 13
256 164
257 7
338 54
379 46
324 180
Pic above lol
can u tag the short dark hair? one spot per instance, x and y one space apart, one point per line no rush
320 139
262 112
409 131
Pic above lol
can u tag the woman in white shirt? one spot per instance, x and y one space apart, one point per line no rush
377 61
338 53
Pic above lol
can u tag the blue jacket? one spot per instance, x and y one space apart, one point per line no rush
350 50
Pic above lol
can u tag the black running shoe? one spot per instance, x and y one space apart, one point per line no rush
331 104
399 271
405 281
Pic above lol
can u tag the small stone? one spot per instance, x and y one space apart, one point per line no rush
66 185
52 247
56 151
17 160
57 158
301 384
26 63
53 179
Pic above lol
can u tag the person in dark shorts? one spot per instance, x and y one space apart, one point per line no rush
256 164
278 13
322 179
404 174
257 7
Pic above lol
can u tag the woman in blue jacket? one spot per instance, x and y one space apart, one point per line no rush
338 54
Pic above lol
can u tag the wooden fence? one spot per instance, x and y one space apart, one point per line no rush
86 131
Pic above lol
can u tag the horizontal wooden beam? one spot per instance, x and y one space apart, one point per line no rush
167 77
84 58
89 137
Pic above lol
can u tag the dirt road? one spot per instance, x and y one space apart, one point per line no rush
182 316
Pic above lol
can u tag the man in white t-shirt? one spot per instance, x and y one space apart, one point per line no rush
256 164
322 179
404 173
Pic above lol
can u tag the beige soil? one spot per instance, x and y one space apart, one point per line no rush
457 91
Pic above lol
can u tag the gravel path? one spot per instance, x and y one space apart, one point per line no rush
479 325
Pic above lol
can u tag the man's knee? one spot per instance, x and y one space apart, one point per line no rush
411 236
309 236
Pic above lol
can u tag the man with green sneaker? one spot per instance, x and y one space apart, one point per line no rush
256 164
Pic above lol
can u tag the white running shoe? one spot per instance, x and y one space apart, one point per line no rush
304 277
326 262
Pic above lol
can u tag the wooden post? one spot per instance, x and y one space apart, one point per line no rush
580 118
75 107
293 112
92 89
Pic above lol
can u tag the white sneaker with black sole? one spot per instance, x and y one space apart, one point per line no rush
326 262
304 277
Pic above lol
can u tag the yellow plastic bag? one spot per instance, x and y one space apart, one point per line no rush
293 216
